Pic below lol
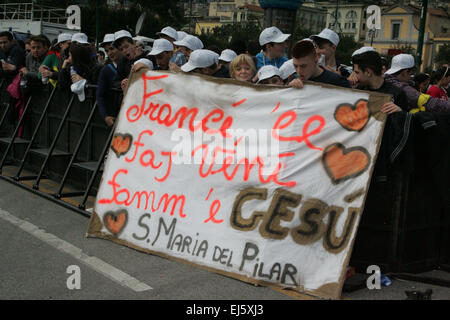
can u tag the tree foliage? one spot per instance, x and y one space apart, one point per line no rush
229 34
159 14
347 45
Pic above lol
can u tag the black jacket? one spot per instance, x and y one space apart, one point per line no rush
15 56
124 65
90 74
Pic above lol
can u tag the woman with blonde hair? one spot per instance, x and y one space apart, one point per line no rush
242 68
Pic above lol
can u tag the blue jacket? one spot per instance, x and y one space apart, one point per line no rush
262 60
107 80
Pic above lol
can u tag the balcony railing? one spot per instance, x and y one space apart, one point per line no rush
32 12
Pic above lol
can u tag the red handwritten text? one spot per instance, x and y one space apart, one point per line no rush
122 196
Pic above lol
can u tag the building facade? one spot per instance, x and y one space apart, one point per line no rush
311 18
400 32
228 12
346 18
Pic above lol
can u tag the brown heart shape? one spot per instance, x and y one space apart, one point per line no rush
121 144
115 222
342 164
353 117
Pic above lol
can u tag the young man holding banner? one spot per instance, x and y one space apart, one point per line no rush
399 75
367 67
127 46
305 59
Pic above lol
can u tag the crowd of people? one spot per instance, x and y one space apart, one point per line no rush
72 61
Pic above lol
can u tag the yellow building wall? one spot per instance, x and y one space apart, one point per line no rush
206 26
404 24
398 10
405 36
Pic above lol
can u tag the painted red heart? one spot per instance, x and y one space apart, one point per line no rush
115 222
121 144
353 117
344 163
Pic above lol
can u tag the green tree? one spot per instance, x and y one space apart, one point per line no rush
300 33
347 45
159 15
227 34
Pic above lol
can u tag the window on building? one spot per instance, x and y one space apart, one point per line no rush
351 15
333 14
395 31
353 25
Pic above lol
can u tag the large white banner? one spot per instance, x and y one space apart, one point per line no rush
264 184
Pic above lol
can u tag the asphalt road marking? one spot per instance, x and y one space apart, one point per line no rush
94 263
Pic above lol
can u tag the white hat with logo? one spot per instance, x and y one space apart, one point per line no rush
181 35
161 45
362 50
190 42
287 69
201 58
400 62
272 34
63 37
121 34
80 38
329 35
227 55
170 32
108 38
267 72
146 62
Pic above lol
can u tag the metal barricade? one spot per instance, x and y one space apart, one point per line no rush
64 143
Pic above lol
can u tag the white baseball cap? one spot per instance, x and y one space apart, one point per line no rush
108 38
191 42
80 38
329 35
400 62
200 58
145 61
362 50
169 31
181 35
121 34
62 37
272 34
267 72
287 69
227 55
161 45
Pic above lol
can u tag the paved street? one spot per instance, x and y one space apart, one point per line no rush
41 240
